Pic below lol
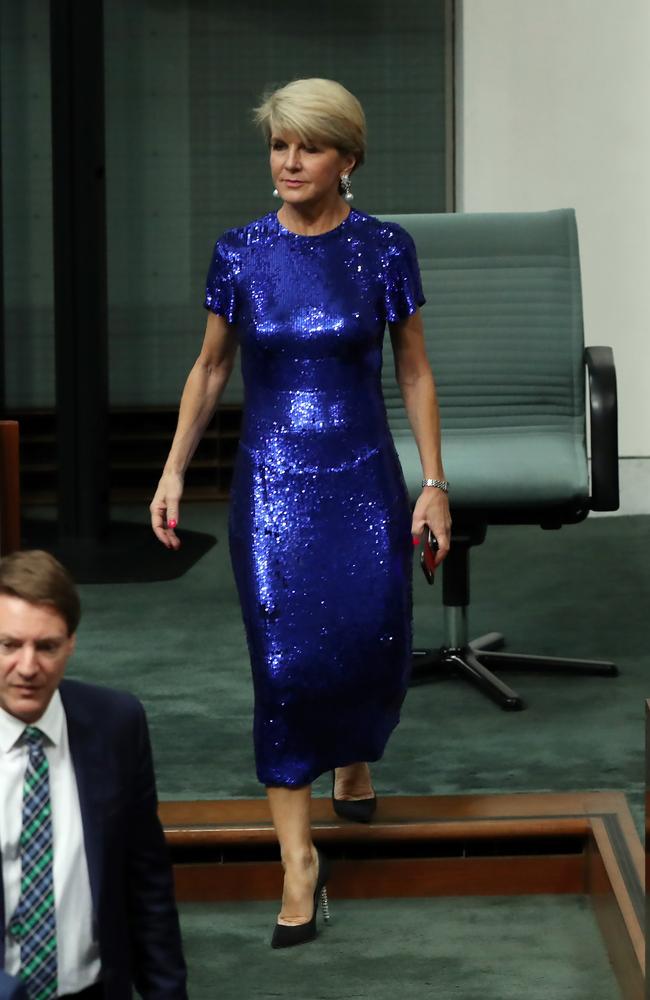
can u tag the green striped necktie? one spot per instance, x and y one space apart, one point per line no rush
33 923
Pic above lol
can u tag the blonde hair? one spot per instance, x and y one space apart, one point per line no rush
316 110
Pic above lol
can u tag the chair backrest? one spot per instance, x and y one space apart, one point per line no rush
503 321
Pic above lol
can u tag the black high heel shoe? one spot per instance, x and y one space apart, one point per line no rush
359 810
284 935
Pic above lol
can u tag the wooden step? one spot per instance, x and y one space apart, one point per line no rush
575 842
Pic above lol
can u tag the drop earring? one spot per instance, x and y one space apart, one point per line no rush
346 187
276 193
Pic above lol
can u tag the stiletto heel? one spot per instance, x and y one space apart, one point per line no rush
357 810
324 902
285 936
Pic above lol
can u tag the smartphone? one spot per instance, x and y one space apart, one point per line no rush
428 555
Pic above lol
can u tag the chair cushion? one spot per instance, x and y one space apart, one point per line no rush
511 468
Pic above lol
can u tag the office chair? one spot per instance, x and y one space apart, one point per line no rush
503 326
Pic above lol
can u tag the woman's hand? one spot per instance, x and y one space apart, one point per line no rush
164 509
432 510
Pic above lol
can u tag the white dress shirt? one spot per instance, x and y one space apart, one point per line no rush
77 951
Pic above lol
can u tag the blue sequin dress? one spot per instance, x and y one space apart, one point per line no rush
320 520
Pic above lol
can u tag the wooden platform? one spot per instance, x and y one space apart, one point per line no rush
581 843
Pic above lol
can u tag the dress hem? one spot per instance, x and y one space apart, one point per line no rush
344 762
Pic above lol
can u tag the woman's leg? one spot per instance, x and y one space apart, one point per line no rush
291 813
353 782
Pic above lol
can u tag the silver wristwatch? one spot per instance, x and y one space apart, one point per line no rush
440 484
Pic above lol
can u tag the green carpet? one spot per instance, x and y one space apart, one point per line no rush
537 948
580 591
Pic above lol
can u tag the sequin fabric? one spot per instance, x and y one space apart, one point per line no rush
319 519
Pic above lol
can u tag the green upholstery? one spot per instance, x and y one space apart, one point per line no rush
503 326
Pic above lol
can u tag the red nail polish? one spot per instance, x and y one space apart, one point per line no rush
171 523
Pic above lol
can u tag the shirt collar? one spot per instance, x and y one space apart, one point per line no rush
50 724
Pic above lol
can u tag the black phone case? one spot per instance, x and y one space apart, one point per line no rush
430 542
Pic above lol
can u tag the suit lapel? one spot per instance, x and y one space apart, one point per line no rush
2 918
86 753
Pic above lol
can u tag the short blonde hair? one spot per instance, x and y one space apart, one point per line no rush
316 110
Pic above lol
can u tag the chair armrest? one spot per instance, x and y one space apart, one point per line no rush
604 428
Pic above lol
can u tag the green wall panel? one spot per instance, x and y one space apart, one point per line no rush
184 162
27 202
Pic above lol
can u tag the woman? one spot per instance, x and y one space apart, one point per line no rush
320 522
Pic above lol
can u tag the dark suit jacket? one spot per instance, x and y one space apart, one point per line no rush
135 916
11 988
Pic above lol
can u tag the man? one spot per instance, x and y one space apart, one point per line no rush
87 907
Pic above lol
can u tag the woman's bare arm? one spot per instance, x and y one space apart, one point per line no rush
417 386
203 389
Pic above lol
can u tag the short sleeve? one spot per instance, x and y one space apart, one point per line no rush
220 290
403 285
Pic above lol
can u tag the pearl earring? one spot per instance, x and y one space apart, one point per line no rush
346 187
276 193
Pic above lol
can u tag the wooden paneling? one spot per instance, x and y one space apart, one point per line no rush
399 878
248 821
9 487
619 924
139 441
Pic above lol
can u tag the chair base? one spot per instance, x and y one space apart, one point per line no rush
473 662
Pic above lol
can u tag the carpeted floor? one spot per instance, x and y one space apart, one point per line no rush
541 948
582 591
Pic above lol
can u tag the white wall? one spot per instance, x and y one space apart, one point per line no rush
553 106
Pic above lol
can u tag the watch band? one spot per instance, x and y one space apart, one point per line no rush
440 484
